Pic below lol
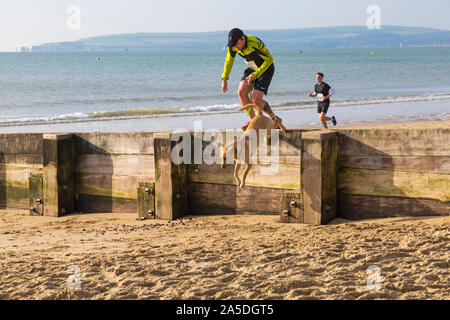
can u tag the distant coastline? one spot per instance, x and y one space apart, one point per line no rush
307 38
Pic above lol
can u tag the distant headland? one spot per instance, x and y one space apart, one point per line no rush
325 37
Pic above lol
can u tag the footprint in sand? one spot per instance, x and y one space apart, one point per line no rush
228 278
160 272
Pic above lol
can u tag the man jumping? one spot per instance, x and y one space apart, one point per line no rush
258 74
324 92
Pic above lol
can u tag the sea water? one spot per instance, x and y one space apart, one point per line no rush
168 90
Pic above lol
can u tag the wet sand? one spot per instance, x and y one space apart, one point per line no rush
222 257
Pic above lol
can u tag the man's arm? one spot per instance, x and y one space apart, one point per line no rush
330 93
266 55
312 95
228 64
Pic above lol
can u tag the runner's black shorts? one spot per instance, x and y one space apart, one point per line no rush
322 106
263 82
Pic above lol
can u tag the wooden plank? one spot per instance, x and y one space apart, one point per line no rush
121 165
14 197
16 176
266 158
114 142
287 176
19 143
394 183
368 207
171 189
146 201
207 199
433 164
58 179
36 191
286 159
108 185
292 208
92 204
22 160
318 177
289 143
400 142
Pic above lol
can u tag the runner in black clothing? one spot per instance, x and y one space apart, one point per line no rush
324 92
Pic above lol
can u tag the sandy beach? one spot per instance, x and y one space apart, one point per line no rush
333 185
222 257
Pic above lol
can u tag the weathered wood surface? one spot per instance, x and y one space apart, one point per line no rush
114 143
20 156
318 177
394 183
394 171
109 185
290 142
207 199
17 176
432 164
109 168
283 159
36 191
119 165
291 207
21 143
288 147
91 204
381 169
395 142
329 172
171 187
14 197
58 174
22 160
364 207
286 177
146 200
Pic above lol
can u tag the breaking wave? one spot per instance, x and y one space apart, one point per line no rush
126 114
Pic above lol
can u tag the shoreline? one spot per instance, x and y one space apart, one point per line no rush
223 120
146 113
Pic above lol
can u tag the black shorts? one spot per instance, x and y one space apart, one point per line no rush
263 82
322 106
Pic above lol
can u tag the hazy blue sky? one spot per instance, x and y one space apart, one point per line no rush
32 22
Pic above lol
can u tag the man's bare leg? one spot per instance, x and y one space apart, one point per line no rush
263 105
267 109
257 99
323 118
243 93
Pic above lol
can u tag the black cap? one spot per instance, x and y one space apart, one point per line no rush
233 36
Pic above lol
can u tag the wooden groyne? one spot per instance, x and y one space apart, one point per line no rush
352 172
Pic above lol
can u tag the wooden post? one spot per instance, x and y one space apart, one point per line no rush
318 176
146 200
36 194
58 157
171 196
